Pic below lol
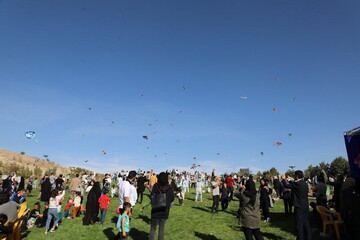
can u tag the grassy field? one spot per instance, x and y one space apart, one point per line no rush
191 221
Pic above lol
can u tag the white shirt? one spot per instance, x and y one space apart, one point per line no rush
133 195
124 191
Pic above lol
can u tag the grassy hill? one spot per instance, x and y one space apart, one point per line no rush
11 162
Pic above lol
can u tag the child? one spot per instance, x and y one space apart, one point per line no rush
123 223
104 201
77 205
67 208
34 215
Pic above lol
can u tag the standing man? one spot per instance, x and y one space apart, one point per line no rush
299 195
230 183
125 191
140 187
75 185
276 183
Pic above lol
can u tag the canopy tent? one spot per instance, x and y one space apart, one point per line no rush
352 142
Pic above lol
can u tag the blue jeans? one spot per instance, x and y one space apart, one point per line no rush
103 214
66 213
53 213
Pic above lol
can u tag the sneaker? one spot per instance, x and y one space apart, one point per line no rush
52 230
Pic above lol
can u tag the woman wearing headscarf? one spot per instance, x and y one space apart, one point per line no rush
160 215
21 184
265 191
45 190
250 211
92 205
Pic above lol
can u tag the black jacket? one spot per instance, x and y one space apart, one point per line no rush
299 193
163 213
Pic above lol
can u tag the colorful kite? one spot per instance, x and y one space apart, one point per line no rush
275 109
30 134
277 143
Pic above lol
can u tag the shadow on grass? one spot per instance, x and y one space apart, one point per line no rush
204 209
145 218
138 235
109 232
114 219
205 236
272 236
283 221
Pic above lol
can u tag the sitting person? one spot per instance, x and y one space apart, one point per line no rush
3 229
41 221
10 209
34 215
19 197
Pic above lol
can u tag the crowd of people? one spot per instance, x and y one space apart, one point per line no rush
165 187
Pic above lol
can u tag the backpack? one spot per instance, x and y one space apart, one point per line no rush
158 200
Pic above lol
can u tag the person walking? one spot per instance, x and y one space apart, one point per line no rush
299 195
160 215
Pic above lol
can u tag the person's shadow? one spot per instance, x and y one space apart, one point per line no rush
205 236
109 232
145 218
138 235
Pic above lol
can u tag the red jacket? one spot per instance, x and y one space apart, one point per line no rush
104 201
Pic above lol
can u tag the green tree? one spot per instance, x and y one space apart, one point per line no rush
312 171
266 175
339 166
274 172
50 170
324 166
290 173
24 172
244 172
38 172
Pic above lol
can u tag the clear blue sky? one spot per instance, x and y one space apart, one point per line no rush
58 58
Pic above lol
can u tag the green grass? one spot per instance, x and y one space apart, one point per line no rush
191 221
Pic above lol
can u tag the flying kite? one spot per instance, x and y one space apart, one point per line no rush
276 79
180 111
193 166
244 98
277 143
86 161
149 124
183 88
262 153
194 158
171 124
290 134
141 95
294 99
103 152
89 108
145 137
30 134
46 156
275 109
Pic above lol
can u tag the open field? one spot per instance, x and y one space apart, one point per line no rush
191 221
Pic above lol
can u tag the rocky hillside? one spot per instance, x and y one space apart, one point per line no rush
11 162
